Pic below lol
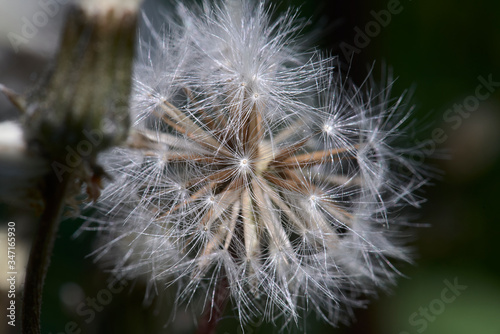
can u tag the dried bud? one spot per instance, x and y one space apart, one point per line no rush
80 108
86 94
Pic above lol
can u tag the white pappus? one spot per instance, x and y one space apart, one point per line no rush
253 161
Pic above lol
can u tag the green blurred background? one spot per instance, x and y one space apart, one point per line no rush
438 48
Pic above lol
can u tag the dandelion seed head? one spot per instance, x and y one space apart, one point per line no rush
256 160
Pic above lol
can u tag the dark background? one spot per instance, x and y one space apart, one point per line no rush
437 48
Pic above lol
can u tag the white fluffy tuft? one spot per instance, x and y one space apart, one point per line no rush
254 159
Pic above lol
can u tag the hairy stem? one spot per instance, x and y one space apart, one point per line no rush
41 250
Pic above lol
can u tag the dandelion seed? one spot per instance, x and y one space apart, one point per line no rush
280 185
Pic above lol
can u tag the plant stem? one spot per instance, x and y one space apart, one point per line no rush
214 310
41 250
